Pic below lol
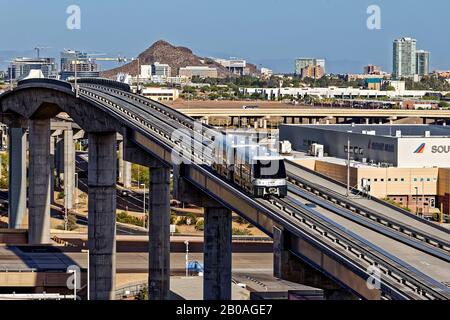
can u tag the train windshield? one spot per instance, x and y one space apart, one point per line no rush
269 169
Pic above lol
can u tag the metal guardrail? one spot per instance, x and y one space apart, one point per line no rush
380 201
346 203
396 273
373 224
129 290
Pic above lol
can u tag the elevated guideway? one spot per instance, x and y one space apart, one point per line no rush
321 240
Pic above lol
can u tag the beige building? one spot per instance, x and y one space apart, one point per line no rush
426 190
201 71
161 94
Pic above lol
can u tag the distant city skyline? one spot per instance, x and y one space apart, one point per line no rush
269 38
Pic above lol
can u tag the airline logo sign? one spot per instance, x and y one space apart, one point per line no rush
420 149
439 149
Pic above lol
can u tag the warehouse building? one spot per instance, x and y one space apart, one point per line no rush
409 164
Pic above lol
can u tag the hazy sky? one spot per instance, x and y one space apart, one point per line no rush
268 32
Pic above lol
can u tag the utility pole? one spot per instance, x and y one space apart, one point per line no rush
348 168
137 76
145 215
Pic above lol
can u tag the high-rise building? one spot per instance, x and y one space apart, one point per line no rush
404 58
311 71
85 67
303 63
21 67
422 62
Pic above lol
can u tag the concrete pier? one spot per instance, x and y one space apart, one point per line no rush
39 182
69 169
102 215
52 169
159 234
217 254
124 168
17 178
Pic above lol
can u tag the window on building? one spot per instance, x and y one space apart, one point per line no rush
402 179
415 179
389 179
375 179
382 180
428 179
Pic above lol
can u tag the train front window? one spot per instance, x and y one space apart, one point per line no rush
269 169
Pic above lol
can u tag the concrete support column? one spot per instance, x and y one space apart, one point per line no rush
102 215
59 161
217 254
52 169
69 169
159 234
17 178
124 169
264 124
39 182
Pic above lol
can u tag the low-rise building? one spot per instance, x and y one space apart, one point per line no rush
200 71
373 83
235 66
396 84
372 69
161 94
419 105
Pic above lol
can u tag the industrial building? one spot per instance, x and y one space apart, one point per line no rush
409 164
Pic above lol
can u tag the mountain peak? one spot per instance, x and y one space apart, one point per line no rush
164 52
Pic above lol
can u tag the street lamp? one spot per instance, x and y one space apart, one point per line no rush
145 215
417 199
76 190
75 62
187 256
88 283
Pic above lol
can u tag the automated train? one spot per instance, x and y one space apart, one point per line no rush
257 169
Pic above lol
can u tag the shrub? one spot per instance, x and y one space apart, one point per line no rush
123 217
241 232
200 225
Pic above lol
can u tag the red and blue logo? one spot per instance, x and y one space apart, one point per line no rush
420 149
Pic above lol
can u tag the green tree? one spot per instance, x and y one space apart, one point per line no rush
444 105
390 88
4 170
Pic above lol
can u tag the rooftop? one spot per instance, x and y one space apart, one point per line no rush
406 130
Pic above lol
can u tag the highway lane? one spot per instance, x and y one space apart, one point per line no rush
133 201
